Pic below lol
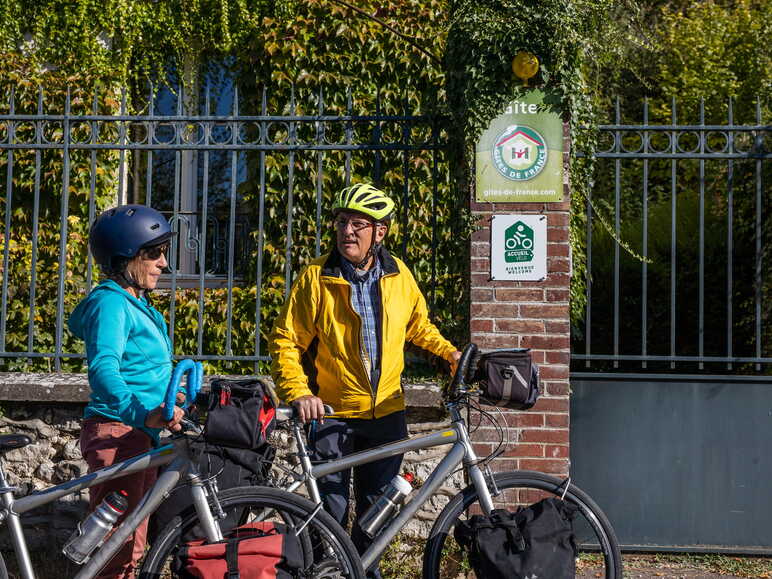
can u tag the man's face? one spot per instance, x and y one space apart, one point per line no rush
354 235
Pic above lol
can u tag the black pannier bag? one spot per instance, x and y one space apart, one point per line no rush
535 541
240 414
507 378
238 455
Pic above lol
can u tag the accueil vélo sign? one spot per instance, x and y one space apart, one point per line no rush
519 247
520 156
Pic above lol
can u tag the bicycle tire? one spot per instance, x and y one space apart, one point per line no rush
328 550
3 568
593 529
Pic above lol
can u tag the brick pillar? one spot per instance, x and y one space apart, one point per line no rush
512 314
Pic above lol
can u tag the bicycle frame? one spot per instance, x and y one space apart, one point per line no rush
174 454
461 452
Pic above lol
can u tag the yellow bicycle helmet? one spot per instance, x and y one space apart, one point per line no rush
366 199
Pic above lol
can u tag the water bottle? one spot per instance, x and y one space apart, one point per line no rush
92 532
384 507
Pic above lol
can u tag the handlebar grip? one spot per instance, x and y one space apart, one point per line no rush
461 370
195 371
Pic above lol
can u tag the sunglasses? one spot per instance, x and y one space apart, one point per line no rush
155 252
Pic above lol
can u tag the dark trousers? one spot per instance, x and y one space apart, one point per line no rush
336 438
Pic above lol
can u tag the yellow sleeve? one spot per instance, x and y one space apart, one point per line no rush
420 329
292 334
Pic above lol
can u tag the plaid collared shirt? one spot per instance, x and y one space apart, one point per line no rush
366 301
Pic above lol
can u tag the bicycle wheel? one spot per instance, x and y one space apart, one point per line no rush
327 550
599 550
3 570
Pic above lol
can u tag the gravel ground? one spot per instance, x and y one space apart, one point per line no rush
648 567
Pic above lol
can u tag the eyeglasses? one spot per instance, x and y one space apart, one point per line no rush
356 224
155 252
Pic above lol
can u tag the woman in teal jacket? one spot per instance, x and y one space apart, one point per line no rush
129 358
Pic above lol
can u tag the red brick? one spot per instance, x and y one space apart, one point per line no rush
557 295
481 325
540 311
494 341
555 234
481 235
556 451
481 264
505 464
485 434
555 219
483 448
558 250
519 294
527 450
553 327
557 279
548 404
484 280
558 357
564 205
532 435
558 388
493 310
481 295
481 250
553 373
546 342
519 326
556 420
538 356
559 264
523 419
550 466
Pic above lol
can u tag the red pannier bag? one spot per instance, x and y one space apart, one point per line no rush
252 551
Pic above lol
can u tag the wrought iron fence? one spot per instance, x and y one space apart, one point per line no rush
231 184
691 203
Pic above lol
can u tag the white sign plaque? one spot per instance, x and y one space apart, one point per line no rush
519 247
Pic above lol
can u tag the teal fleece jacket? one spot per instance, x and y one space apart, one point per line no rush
129 354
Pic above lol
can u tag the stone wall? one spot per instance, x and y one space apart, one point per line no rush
48 408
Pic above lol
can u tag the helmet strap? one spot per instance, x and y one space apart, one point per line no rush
370 252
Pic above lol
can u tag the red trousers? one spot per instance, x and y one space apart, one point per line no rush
103 443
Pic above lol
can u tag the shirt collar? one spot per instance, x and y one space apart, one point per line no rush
352 274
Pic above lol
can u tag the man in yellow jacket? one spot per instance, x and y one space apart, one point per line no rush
340 339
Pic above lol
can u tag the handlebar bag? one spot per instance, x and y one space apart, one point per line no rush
261 550
535 541
240 413
508 378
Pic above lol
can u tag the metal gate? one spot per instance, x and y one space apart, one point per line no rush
671 406
245 180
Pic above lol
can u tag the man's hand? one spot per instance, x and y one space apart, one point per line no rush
309 408
155 419
454 364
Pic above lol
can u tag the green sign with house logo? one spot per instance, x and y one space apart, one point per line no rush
518 243
520 156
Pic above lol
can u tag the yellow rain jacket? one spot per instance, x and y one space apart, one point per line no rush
316 341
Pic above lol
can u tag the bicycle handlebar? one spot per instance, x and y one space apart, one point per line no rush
195 372
459 378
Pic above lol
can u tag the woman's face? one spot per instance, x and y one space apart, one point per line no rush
146 267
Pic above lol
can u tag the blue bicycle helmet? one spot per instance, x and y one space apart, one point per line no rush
118 234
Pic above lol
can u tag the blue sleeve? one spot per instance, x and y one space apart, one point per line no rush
106 334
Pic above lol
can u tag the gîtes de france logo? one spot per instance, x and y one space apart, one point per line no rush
519 153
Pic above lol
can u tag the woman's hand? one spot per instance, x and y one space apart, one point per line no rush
155 419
